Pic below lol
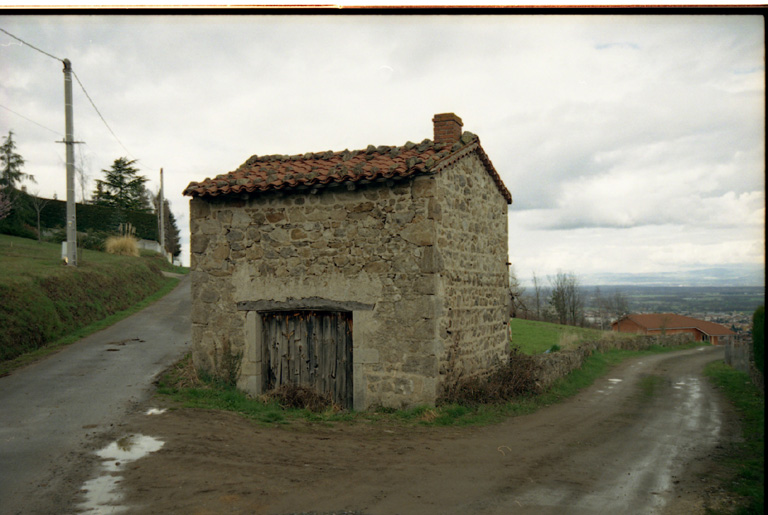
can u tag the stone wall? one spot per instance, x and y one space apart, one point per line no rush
369 246
553 366
472 251
738 354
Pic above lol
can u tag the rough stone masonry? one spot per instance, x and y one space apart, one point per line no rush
411 241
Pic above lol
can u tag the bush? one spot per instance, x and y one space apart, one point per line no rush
301 397
514 378
122 246
758 343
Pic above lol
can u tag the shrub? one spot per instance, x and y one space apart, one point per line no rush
514 378
758 343
122 245
301 397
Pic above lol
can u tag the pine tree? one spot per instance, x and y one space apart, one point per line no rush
123 188
10 164
172 234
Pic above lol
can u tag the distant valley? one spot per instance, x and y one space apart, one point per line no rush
685 300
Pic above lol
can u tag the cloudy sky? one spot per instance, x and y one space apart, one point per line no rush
631 144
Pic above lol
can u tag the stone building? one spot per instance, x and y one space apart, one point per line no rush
373 275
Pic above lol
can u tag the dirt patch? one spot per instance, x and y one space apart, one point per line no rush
616 447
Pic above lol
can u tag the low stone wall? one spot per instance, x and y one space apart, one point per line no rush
738 354
553 366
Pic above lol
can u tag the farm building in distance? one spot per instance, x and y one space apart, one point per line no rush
669 323
372 275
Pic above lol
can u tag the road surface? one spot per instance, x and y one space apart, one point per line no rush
51 410
640 440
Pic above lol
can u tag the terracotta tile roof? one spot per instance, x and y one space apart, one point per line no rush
672 321
315 170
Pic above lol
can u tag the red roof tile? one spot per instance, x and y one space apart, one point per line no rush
319 169
672 321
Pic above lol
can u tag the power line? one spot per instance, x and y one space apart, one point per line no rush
30 120
84 91
32 46
99 113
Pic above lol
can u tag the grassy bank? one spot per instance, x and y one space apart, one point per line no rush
533 337
44 300
746 460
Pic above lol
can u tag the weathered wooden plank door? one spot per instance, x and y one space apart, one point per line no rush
309 348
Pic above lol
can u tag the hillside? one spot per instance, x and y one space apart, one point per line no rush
43 300
533 337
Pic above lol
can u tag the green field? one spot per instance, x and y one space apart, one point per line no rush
42 300
536 337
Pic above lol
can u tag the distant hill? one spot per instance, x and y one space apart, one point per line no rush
727 275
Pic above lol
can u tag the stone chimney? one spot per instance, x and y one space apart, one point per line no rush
447 128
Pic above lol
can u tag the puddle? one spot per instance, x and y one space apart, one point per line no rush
614 380
156 411
101 493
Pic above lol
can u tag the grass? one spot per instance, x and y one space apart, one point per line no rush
534 337
45 301
22 257
746 459
30 357
185 387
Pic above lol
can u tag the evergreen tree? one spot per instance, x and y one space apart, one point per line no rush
172 241
123 188
10 164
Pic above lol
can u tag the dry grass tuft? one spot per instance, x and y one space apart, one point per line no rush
122 246
429 415
302 397
182 374
568 340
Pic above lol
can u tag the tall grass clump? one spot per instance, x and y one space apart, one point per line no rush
122 246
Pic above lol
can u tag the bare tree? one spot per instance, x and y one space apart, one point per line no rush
598 302
618 305
537 296
39 204
566 299
516 293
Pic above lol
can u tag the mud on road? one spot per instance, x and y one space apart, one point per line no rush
640 440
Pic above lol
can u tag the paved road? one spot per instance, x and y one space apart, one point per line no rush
49 410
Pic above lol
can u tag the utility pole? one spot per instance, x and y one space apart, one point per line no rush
162 215
69 141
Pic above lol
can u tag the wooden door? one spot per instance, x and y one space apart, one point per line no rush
309 348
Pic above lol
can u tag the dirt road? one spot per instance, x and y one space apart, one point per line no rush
638 441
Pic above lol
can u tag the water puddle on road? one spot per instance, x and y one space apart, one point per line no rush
101 494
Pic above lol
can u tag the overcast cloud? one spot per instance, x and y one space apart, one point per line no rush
630 144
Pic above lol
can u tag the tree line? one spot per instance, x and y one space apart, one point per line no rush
122 189
563 300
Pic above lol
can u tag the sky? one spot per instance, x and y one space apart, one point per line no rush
630 144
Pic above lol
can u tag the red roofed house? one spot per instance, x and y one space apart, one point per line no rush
372 275
668 323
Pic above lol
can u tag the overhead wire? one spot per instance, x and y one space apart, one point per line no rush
31 46
84 91
31 121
